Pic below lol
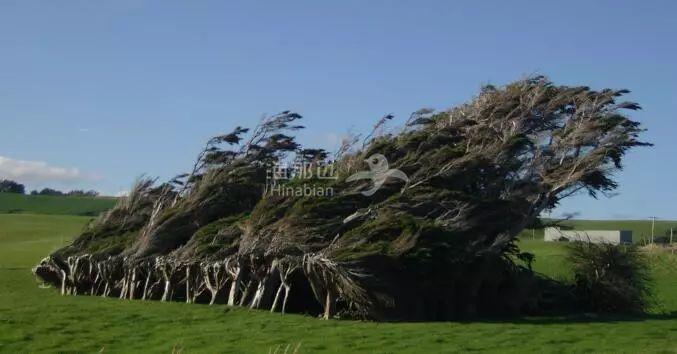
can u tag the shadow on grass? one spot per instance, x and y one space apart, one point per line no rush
578 318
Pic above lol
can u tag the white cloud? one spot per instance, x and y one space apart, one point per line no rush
40 173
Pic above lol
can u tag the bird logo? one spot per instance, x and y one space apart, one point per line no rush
378 174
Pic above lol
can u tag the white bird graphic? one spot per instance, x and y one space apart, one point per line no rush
380 171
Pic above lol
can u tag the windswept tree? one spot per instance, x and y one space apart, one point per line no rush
223 182
436 245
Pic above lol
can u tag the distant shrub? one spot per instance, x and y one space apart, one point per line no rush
73 193
610 278
662 239
50 191
89 213
82 193
7 186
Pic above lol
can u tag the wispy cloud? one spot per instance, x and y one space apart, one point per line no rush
41 173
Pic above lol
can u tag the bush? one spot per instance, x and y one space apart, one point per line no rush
610 278
50 191
7 186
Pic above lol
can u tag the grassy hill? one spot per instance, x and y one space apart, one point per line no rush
639 228
35 319
11 203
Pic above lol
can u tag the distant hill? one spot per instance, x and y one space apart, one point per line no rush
11 203
41 204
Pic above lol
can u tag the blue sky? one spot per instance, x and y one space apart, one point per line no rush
93 95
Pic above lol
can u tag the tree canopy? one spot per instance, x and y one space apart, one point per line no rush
8 186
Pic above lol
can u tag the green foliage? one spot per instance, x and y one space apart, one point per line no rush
387 234
610 278
215 240
102 246
8 186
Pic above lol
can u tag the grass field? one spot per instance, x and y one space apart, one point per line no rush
34 319
641 229
43 204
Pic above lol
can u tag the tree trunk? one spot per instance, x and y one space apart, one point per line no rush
145 286
277 298
123 292
165 295
94 287
133 284
63 282
260 288
188 296
329 305
245 294
235 287
287 291
214 279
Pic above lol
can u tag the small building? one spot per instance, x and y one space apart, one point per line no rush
596 236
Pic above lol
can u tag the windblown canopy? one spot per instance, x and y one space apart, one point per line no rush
435 240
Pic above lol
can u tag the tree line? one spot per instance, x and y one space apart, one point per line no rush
9 186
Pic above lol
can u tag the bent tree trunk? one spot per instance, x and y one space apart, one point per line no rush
329 304
234 268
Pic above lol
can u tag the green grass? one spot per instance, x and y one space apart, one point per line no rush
33 319
43 204
550 259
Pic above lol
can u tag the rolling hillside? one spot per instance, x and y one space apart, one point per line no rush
11 203
91 206
639 228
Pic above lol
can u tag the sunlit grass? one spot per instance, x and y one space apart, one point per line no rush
43 204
